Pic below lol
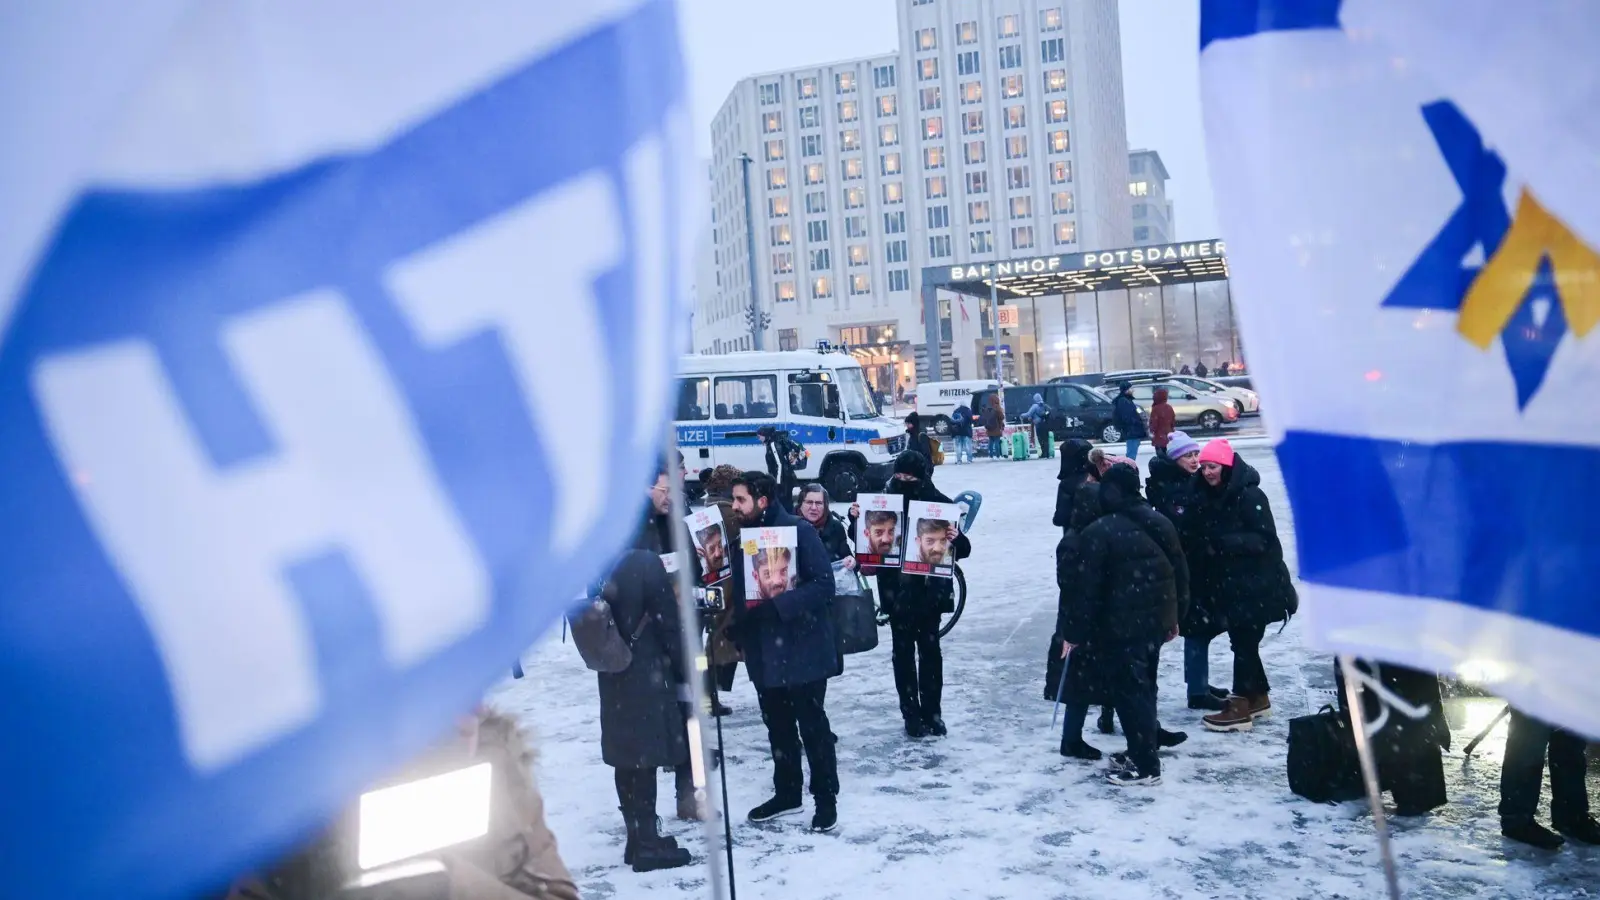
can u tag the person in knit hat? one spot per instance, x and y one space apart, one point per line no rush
1239 573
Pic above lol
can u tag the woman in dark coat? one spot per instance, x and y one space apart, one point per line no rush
814 509
1170 488
1083 686
1075 470
1409 751
641 720
994 424
1242 574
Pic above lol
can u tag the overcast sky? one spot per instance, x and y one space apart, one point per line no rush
730 39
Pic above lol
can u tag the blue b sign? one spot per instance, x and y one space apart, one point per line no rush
299 405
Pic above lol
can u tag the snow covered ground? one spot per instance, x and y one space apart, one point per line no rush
993 811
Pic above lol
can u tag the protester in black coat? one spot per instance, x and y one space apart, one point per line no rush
1409 751
1241 573
1132 585
914 604
918 439
782 456
1075 470
1170 488
1083 685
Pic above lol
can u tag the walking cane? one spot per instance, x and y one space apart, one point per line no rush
1061 688
1473 744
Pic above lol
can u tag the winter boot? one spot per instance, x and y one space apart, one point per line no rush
1118 762
935 726
774 808
1584 831
1527 831
826 817
652 851
688 807
720 709
1217 692
1079 750
1165 738
1106 724
1234 717
632 845
1260 706
915 727
1131 777
1207 701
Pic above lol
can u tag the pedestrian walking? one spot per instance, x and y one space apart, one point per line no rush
1163 421
1132 583
784 455
1125 415
790 652
994 424
1242 575
1522 777
1200 369
913 604
1169 489
961 432
1037 417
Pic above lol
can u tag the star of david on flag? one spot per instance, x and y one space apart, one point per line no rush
1409 199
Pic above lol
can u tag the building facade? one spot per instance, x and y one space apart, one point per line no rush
996 131
1149 208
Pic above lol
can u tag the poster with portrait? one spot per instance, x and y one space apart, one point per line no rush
878 530
710 545
930 539
769 561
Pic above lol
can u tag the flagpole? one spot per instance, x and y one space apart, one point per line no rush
1369 772
696 664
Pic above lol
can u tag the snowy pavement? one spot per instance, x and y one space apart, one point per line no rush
993 811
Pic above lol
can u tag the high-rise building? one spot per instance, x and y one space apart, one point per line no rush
996 132
1149 207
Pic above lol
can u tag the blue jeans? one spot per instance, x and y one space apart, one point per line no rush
963 448
994 447
1133 448
1197 665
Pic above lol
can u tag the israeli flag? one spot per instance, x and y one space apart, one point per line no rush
335 340
1412 207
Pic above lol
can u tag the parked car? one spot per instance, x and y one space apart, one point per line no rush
1248 402
1076 411
1209 411
1098 379
1238 381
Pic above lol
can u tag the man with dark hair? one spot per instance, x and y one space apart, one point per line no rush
933 540
883 527
789 650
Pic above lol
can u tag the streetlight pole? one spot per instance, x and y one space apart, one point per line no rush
757 326
994 328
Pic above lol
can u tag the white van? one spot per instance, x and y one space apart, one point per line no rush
819 397
937 400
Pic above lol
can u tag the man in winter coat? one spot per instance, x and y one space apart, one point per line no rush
994 424
1125 415
790 652
783 454
1038 415
1169 489
1163 421
1240 573
1201 371
1075 471
961 432
917 439
914 604
1133 583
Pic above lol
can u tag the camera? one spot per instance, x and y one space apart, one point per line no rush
708 599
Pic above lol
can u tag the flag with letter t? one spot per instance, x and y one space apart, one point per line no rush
1412 206
335 350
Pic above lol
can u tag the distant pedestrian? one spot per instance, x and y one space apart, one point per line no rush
994 424
1222 370
784 455
1200 369
1125 415
1076 470
919 439
1185 370
1038 416
1163 420
961 432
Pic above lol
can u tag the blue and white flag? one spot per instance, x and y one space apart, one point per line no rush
335 349
1412 206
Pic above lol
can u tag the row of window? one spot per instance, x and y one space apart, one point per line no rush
822 285
856 255
1008 26
1011 87
811 116
1022 238
934 187
805 87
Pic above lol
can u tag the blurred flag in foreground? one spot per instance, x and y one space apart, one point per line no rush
334 352
1412 206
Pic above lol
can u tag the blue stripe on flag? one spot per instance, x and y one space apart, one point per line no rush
1222 20
1496 526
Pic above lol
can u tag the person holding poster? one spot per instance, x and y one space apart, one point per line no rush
875 520
710 544
933 530
783 600
914 602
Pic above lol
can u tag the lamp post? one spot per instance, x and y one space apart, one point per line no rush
758 320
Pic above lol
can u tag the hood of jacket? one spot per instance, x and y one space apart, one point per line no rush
1075 459
1119 488
1160 395
1235 479
913 463
1164 470
1086 506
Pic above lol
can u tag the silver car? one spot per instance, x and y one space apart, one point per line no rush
1209 411
1245 400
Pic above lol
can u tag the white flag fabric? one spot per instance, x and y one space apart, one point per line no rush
335 349
1409 196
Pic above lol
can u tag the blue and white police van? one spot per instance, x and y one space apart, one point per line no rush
820 397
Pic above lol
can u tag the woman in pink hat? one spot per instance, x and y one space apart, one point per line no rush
1238 570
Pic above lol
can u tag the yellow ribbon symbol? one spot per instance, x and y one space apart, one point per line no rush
1504 281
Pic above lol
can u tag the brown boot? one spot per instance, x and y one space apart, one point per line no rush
1260 706
1234 717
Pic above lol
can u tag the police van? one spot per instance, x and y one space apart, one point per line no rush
937 401
819 397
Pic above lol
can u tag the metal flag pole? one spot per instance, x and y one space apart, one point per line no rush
694 655
1369 772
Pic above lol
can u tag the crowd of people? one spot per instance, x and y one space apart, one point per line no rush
1190 551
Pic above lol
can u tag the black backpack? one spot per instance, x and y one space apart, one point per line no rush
1323 766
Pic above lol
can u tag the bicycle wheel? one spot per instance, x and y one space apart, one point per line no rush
949 620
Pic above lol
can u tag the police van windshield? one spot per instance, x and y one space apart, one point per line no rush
854 396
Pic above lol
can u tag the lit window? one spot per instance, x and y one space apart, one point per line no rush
1055 80
927 39
810 116
850 139
848 111
858 254
781 236
933 158
899 280
854 198
860 284
1139 188
933 128
975 152
1017 177
888 135
1061 172
778 207
1017 147
883 77
784 290
816 202
845 82
1061 202
851 168
1021 207
1053 50
777 178
971 92
1060 142
1010 26
932 98
782 263
889 164
888 105
1055 111
1016 117
774 150
814 173
928 69
772 121
806 88
893 192
769 94
1050 19
968 63
821 288
1011 86
1022 237
1011 57
1066 233
977 212
967 33
936 187
938 217
982 242
939 246
977 182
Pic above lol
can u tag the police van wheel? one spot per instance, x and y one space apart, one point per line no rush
843 481
941 426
